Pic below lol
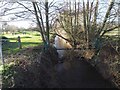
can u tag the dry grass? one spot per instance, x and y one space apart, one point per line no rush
36 69
69 58
109 64
88 54
33 69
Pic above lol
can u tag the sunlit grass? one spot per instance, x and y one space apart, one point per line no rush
30 39
111 33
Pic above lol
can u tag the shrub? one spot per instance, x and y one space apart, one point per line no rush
4 39
34 69
108 64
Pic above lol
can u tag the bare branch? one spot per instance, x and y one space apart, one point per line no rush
106 16
35 8
111 29
26 7
61 37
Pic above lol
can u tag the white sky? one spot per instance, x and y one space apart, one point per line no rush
21 24
24 23
27 24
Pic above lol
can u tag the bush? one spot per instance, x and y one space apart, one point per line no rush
4 39
33 69
108 64
7 75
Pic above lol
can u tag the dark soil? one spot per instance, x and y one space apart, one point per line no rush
42 70
81 75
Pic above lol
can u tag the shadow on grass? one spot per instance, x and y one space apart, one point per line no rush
13 39
21 37
12 47
36 34
26 37
27 44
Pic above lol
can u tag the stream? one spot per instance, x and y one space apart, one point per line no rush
80 75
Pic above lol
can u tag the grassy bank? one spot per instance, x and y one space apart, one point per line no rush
30 39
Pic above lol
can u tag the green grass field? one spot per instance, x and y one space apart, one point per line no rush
30 39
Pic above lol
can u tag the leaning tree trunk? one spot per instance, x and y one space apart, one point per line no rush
38 21
47 21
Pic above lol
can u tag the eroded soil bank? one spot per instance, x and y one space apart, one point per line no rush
80 75
35 69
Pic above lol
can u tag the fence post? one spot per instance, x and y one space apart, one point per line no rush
19 42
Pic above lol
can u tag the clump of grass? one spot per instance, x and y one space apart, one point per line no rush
7 73
33 68
108 64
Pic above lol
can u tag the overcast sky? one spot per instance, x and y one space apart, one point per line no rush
27 23
21 23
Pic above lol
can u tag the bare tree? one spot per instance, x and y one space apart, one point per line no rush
80 20
28 11
95 21
69 20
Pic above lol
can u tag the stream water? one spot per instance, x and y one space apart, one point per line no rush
60 43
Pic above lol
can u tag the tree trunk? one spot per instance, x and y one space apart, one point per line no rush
39 23
85 23
47 21
106 17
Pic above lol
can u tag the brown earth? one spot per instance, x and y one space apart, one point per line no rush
80 75
42 70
